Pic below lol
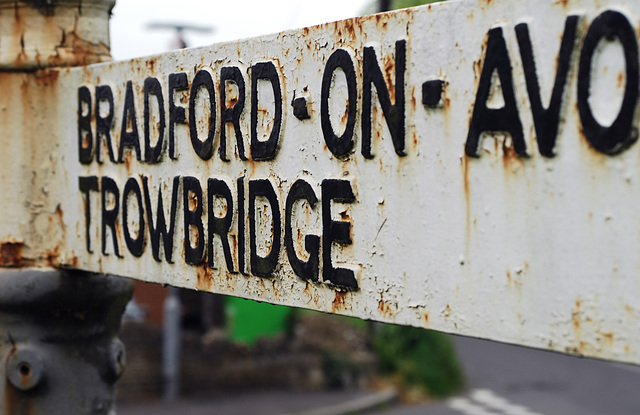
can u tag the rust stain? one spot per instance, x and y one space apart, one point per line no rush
563 3
477 65
467 196
47 76
78 52
11 254
447 311
389 69
118 227
575 316
426 318
52 256
234 243
60 215
151 63
15 402
73 262
509 277
414 102
350 28
204 278
385 308
509 155
339 302
608 338
128 159
620 80
630 310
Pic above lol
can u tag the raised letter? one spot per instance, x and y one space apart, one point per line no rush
192 197
152 153
231 114
506 118
103 124
620 134
546 120
241 226
177 82
343 145
220 226
110 216
336 231
264 266
204 149
87 184
160 228
85 134
129 132
393 114
265 150
301 190
135 245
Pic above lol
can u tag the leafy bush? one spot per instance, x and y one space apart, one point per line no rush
420 357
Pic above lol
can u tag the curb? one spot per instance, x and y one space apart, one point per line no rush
358 405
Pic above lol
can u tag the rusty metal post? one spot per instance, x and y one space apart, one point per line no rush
59 351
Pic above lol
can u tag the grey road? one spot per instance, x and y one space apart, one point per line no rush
501 380
511 380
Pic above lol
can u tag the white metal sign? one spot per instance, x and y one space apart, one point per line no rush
468 167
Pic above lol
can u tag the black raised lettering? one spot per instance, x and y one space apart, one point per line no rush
547 120
103 123
308 270
265 150
204 149
336 231
506 118
85 133
393 114
220 226
159 229
152 154
110 216
192 201
86 185
231 114
241 226
177 82
134 244
264 266
129 132
343 145
621 133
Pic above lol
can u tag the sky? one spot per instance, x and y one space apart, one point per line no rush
228 20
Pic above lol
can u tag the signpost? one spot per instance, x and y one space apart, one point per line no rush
468 167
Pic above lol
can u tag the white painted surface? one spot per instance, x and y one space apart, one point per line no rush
535 251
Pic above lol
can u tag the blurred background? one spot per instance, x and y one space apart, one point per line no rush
227 20
236 356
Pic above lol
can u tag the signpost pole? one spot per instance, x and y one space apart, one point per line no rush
59 350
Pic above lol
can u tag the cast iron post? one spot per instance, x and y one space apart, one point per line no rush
59 351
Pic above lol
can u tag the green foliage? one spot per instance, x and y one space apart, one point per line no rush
420 358
372 7
401 4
